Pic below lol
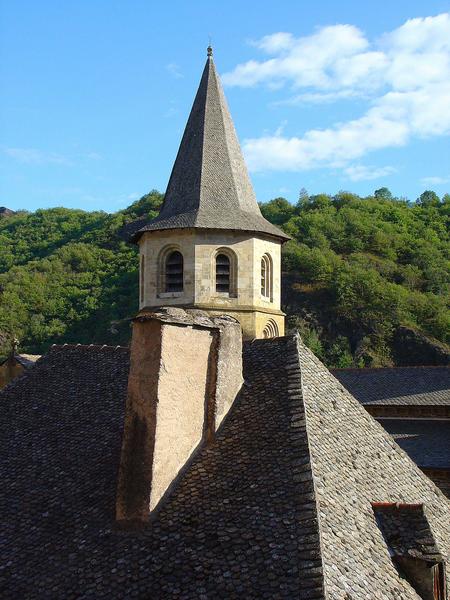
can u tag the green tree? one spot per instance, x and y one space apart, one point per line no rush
428 198
278 211
383 193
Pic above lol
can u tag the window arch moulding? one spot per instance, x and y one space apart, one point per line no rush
271 329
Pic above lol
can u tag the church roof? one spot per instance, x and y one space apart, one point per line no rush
278 506
407 386
209 186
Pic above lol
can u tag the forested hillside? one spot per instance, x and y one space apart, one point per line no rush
355 270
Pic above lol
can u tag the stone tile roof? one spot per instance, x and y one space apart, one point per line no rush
279 506
355 462
242 523
209 186
427 442
413 386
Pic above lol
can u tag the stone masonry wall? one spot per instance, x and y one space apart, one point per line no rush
150 246
229 368
199 249
8 372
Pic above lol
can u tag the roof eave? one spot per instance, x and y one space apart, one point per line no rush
283 237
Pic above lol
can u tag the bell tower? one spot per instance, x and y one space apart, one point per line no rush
210 247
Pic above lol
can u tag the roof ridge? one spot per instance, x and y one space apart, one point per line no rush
282 386
90 346
209 60
287 337
222 115
378 369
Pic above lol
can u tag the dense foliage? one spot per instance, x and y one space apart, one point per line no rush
360 267
69 275
355 269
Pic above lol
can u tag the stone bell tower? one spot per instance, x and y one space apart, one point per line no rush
210 247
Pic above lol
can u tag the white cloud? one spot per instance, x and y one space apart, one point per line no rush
333 147
175 70
308 61
434 180
319 97
339 57
275 42
32 156
172 111
404 76
366 173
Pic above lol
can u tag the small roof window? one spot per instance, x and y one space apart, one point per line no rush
412 547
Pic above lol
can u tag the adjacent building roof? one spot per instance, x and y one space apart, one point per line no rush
427 441
209 186
417 386
279 506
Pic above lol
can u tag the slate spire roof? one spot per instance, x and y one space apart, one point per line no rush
209 186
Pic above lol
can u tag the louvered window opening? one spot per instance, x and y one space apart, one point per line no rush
223 270
265 277
174 272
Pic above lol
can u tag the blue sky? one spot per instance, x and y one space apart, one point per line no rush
325 95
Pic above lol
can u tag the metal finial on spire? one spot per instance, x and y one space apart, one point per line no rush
209 50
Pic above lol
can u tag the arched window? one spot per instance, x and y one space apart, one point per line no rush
223 273
142 277
174 272
266 277
271 329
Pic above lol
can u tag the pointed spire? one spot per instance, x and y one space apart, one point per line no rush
209 186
